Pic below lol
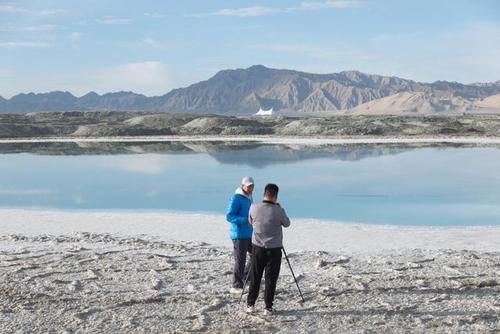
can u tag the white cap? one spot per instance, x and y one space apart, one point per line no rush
247 180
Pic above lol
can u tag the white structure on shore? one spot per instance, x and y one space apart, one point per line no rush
263 112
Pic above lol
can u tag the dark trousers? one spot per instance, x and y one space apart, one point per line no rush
240 249
268 259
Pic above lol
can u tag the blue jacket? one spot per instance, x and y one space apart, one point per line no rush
237 216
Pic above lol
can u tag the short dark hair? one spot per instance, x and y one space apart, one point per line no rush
271 190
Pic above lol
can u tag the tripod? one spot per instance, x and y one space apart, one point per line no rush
293 274
294 278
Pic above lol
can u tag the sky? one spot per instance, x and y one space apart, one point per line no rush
153 46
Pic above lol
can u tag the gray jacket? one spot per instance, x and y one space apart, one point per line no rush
267 219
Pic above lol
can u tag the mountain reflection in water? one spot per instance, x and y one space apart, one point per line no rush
382 184
257 155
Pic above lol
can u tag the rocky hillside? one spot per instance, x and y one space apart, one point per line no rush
425 103
244 91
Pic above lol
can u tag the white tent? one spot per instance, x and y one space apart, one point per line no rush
263 112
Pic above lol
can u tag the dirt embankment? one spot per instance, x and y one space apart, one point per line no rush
103 124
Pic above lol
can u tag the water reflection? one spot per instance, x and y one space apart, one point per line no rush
257 155
385 184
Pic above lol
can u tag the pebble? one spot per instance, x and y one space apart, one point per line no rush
320 263
341 260
75 286
488 283
92 274
156 284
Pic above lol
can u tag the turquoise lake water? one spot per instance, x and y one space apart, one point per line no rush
379 184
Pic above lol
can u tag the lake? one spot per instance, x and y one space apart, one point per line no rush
378 184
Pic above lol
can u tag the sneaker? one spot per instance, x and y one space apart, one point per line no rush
236 291
268 312
250 309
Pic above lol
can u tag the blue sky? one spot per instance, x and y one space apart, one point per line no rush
153 46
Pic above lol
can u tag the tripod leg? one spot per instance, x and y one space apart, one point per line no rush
245 281
293 274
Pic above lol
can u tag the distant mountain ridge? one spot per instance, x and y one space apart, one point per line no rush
244 91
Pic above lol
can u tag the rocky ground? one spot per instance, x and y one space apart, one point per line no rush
103 283
102 124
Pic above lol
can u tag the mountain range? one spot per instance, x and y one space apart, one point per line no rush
244 91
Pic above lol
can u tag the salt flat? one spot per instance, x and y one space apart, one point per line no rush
105 283
156 272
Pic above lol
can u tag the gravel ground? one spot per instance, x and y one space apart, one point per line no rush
106 283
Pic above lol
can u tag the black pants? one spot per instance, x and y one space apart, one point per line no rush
268 259
240 249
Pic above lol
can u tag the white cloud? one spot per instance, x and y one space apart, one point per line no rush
8 28
10 8
75 37
241 12
13 8
330 4
41 27
24 192
149 77
111 20
46 12
261 10
23 44
248 11
154 43
36 28
150 41
155 15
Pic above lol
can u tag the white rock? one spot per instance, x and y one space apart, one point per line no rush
342 259
320 264
75 286
92 274
156 284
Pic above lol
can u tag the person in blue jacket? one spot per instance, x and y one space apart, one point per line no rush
240 230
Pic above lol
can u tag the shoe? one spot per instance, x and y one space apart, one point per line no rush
250 309
268 312
236 291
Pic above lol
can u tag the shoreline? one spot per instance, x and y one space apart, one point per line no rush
263 139
303 235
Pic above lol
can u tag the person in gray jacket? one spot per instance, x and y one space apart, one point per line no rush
267 219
